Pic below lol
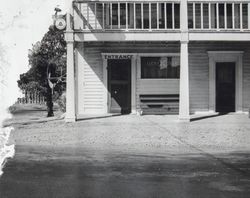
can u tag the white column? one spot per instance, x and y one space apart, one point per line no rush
105 85
184 84
133 85
70 83
184 112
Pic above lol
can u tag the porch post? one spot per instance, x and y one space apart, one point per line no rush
184 112
70 83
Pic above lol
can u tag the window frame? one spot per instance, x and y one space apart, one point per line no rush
140 55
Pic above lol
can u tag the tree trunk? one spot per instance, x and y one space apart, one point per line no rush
49 102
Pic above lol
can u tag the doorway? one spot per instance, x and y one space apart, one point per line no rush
119 85
225 87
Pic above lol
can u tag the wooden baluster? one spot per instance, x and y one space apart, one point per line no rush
142 22
225 15
241 19
173 17
126 16
103 16
111 15
88 15
194 21
134 16
157 17
202 25
95 17
119 16
209 16
217 16
150 16
233 16
165 14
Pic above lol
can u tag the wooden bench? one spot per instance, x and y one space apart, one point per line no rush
159 104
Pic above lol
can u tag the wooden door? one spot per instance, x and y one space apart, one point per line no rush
225 87
119 85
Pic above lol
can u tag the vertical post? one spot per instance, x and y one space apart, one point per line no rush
88 22
142 16
105 85
225 15
150 17
173 17
119 16
70 86
157 17
103 16
194 22
241 20
233 16
165 14
134 16
184 114
111 16
126 16
95 17
133 84
217 16
202 24
209 15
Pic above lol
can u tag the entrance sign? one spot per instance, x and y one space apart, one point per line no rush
118 56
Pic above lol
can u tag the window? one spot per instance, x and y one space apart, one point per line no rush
160 67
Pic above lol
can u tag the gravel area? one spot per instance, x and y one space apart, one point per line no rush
141 133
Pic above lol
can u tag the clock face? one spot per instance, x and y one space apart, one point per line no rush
60 23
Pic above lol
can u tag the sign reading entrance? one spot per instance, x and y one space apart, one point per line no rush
118 56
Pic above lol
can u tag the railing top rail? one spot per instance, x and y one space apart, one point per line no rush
124 1
220 1
146 1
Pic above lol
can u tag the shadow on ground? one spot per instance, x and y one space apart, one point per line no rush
71 172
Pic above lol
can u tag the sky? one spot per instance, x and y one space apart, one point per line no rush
22 23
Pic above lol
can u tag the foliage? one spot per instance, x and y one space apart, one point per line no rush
47 55
62 102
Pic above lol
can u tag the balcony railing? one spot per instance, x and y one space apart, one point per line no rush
161 15
218 16
127 16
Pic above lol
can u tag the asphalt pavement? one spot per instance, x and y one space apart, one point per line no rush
77 172
130 156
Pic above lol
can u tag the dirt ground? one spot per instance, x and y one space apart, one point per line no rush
128 156
219 133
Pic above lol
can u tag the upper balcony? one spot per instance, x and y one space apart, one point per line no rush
156 17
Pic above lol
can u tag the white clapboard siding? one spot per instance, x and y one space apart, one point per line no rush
150 86
199 71
90 82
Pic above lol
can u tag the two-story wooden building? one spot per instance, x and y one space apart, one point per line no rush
158 56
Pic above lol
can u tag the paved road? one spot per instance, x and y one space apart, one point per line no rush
52 172
130 156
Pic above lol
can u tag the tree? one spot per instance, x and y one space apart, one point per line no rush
47 60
